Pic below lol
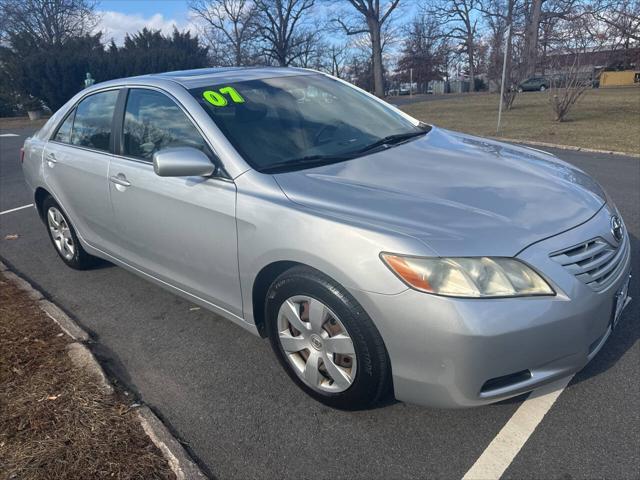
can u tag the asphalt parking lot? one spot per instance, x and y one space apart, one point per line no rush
223 393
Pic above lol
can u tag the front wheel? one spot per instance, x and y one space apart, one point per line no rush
542 88
326 341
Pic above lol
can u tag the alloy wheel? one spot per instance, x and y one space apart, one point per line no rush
60 233
316 344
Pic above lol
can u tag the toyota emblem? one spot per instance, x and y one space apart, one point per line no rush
616 228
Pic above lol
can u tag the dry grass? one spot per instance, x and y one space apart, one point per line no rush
607 119
55 422
8 123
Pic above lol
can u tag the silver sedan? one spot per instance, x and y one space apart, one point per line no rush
380 255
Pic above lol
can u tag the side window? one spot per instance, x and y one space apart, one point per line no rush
153 121
92 124
63 134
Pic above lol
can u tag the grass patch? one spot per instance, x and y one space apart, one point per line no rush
8 123
607 119
55 421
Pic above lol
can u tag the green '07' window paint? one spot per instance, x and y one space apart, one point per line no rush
217 100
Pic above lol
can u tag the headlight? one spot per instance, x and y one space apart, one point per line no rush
475 277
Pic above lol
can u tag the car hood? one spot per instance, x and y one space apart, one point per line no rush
459 194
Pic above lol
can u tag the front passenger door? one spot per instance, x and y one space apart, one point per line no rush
181 230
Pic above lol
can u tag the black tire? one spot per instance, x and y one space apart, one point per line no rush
80 260
372 382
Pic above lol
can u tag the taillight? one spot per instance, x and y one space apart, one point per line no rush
22 155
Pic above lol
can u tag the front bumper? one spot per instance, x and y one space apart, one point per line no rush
450 352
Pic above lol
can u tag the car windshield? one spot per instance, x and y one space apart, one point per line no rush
292 122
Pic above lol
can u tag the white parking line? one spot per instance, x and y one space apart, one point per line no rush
505 446
16 209
9 135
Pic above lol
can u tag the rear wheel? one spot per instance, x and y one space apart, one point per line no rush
542 88
325 340
64 238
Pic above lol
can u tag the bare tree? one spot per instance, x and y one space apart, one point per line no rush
502 18
493 12
573 79
623 16
280 26
542 12
232 21
547 38
337 59
621 19
359 69
308 52
462 22
47 22
564 93
371 18
424 49
532 28
219 53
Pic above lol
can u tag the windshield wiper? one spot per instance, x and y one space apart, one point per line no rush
306 162
317 160
392 140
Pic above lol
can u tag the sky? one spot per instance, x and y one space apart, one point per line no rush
118 17
121 16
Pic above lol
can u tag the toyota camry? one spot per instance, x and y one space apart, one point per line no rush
379 255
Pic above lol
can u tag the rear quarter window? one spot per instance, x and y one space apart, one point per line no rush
92 122
63 135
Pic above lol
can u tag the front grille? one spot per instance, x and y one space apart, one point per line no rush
595 262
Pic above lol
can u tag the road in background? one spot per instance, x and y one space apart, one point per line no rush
223 393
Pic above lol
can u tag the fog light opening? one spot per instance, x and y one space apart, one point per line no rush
505 381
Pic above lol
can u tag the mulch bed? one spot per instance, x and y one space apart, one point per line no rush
55 421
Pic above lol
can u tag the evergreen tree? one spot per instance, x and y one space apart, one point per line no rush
53 73
148 51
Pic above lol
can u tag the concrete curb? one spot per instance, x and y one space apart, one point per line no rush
566 147
181 464
65 323
183 467
82 357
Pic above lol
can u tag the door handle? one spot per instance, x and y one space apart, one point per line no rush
51 159
120 179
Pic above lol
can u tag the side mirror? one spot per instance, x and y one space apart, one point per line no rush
182 162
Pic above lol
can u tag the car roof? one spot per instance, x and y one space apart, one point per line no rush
201 77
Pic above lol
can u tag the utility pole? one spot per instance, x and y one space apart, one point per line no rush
411 82
504 71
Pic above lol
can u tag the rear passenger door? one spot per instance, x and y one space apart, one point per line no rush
76 166
181 230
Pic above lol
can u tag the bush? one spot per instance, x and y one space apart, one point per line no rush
31 104
8 106
479 85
